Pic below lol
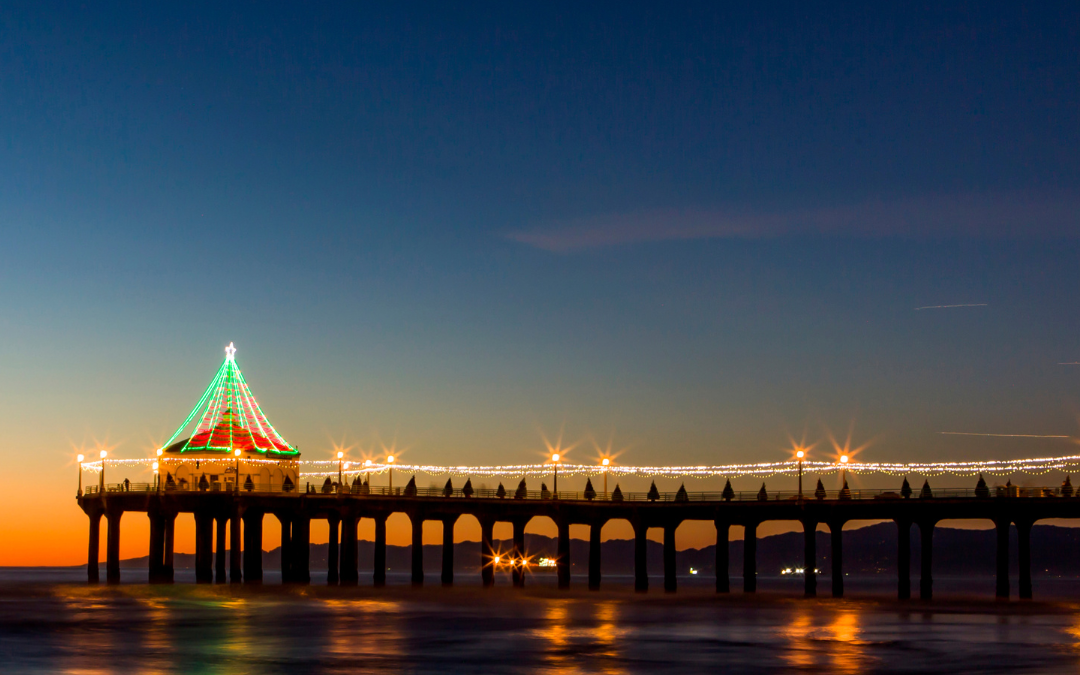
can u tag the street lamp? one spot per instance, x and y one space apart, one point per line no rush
605 462
555 482
80 459
843 469
800 454
157 481
390 464
101 477
339 456
236 453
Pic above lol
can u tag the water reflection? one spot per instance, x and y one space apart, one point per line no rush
817 639
846 649
799 652
608 635
224 629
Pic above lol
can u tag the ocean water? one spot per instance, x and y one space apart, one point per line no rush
51 622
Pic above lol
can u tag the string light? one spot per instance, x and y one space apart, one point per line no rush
322 468
229 417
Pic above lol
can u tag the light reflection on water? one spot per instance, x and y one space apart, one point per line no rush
47 628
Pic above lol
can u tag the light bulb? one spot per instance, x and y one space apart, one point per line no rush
555 457
104 454
80 458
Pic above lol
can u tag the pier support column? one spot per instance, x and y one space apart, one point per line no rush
253 572
487 552
219 549
1023 554
350 574
1002 527
448 550
301 543
723 578
156 564
235 548
809 558
93 551
332 552
287 553
903 559
836 533
168 570
112 547
670 581
204 548
926 578
749 558
417 548
379 575
594 556
562 559
519 553
641 560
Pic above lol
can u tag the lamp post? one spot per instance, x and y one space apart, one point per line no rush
160 451
843 470
101 476
339 456
800 454
236 453
555 480
157 481
80 459
605 462
390 464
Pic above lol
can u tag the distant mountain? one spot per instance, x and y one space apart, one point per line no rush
867 551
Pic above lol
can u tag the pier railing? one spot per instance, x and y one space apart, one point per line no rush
312 489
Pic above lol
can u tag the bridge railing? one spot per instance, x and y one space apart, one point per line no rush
535 495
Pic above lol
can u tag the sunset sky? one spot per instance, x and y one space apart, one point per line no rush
687 232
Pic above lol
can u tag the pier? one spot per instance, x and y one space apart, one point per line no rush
233 469
240 514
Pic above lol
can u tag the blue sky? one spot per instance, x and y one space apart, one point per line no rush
691 228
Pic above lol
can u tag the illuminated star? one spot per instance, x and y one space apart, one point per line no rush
229 351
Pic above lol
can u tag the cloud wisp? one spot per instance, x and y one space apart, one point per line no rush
973 215
975 433
975 304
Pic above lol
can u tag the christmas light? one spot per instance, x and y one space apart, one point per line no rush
323 468
228 417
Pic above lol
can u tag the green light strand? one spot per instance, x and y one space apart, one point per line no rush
194 410
275 432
